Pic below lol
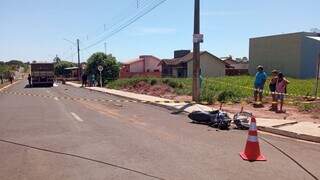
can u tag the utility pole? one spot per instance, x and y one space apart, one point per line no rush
79 68
196 53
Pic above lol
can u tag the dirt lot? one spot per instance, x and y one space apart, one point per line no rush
293 112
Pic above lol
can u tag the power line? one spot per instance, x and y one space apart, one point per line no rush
147 7
125 25
119 18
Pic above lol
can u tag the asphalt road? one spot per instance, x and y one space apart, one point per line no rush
50 138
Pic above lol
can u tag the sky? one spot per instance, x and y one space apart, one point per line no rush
41 29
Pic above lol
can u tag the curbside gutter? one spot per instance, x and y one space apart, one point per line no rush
272 129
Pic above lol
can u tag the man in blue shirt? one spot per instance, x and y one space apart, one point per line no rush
259 82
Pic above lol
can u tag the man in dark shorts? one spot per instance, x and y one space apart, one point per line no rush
11 78
1 79
259 82
29 80
84 80
272 88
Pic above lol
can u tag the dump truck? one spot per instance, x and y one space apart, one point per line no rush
42 74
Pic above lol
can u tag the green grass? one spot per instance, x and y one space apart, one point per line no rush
219 89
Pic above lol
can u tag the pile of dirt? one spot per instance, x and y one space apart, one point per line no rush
159 90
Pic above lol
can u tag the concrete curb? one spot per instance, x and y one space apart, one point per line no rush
294 135
272 130
136 99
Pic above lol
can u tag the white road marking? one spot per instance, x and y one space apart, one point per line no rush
76 117
55 98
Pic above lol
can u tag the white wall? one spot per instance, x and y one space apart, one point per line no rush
210 66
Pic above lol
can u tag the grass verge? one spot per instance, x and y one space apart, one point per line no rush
223 89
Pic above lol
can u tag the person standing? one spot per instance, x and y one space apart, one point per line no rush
272 88
11 78
84 80
1 79
29 80
93 80
281 90
259 82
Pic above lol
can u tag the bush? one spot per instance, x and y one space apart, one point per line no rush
228 95
209 95
153 82
165 81
173 84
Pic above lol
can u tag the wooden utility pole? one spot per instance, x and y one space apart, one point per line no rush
196 53
79 67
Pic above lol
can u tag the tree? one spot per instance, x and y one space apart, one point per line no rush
108 62
16 64
60 66
56 60
4 68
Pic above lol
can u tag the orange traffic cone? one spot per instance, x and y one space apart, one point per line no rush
252 150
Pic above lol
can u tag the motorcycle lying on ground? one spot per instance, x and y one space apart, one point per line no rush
220 119
217 119
242 120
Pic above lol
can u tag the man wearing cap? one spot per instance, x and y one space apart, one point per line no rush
259 82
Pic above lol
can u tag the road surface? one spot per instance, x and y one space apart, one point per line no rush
52 138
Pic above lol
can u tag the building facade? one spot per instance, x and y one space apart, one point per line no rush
236 67
182 65
295 54
146 65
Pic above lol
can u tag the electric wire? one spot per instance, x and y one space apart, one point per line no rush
290 157
81 157
125 25
148 8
